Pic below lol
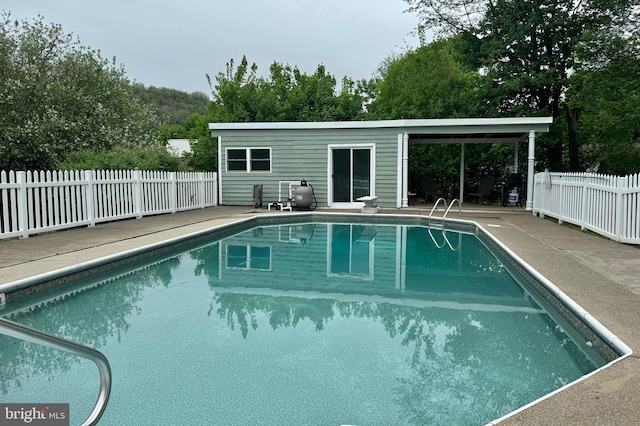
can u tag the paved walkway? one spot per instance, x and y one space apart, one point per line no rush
600 275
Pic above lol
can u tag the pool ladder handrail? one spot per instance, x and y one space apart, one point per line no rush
435 205
455 200
32 335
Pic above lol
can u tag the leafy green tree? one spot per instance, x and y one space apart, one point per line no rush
286 95
204 148
528 50
58 97
430 82
607 94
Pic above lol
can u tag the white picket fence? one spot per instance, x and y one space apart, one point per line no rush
35 202
607 205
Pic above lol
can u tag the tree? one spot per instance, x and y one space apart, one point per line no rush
57 97
527 48
204 147
429 82
607 93
286 95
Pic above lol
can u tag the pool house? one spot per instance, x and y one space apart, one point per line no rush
346 160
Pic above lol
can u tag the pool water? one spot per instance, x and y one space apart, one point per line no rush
313 323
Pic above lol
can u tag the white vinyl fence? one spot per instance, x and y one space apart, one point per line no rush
607 205
35 202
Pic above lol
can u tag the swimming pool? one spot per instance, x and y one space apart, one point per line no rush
316 322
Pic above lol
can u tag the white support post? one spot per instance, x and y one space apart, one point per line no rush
530 169
461 173
399 174
515 158
221 171
405 169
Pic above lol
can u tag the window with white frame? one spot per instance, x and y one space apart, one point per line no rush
248 159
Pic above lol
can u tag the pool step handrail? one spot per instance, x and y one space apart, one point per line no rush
455 200
32 335
435 205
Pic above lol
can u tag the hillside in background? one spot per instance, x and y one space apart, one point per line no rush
172 106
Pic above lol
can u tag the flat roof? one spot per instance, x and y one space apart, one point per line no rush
436 126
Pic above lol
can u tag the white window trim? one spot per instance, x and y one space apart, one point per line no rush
248 159
330 147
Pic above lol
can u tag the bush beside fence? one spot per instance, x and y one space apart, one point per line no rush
605 204
35 202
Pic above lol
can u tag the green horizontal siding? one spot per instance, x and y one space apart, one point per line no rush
303 154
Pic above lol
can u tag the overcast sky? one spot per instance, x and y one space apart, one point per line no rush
168 43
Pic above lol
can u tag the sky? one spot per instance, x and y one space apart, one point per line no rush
166 43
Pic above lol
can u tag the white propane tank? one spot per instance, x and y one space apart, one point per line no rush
513 196
304 195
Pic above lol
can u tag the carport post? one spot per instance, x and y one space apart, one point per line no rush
530 169
405 169
461 172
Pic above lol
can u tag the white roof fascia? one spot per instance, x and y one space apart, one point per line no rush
432 126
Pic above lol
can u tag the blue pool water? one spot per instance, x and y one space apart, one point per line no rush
313 323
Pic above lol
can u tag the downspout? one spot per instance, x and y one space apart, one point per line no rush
530 169
405 169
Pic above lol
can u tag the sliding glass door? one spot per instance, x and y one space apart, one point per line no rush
351 173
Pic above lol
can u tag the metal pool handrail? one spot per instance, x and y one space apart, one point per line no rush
451 205
434 208
28 334
455 200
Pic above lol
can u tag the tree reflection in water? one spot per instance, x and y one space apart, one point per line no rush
467 328
92 323
462 361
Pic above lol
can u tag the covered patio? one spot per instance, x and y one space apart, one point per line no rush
470 131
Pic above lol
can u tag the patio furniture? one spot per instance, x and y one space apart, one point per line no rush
429 187
483 193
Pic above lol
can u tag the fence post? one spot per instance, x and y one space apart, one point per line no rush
214 187
561 201
202 188
137 194
89 198
621 184
21 198
584 207
174 192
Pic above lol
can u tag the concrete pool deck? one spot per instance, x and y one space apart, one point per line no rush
602 276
